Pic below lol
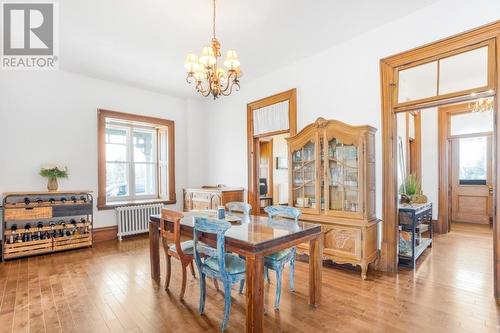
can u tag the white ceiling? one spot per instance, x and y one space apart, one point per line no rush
143 43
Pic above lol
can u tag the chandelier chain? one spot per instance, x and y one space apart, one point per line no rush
213 22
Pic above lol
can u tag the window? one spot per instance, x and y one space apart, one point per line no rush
471 123
136 159
473 160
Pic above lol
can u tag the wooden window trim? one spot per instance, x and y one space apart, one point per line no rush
102 114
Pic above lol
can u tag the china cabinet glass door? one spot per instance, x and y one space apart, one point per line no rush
342 176
305 191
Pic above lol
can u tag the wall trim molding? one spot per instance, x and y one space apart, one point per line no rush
105 233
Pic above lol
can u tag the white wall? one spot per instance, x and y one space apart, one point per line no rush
52 117
341 83
430 161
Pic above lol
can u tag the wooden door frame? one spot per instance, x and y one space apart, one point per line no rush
444 149
253 141
417 141
388 66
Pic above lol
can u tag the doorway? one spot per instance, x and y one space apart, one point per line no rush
437 65
273 171
470 181
468 164
269 121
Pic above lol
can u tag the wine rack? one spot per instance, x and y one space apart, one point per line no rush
45 222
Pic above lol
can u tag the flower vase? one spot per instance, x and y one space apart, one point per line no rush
52 184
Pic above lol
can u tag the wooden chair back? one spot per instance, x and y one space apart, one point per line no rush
213 226
174 232
283 211
240 207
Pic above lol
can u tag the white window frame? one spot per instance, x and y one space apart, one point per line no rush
110 123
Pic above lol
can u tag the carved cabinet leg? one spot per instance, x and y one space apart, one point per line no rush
364 269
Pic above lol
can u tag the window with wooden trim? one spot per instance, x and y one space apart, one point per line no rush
136 159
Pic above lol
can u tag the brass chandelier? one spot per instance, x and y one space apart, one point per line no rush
482 105
204 71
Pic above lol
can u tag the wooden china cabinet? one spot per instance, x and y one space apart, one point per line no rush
332 180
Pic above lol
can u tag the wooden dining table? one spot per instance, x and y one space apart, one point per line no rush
253 237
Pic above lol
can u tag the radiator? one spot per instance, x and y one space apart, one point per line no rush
133 220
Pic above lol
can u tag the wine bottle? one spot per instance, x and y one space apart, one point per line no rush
39 200
73 198
62 232
27 201
13 233
52 201
27 234
73 224
40 229
83 198
52 230
63 200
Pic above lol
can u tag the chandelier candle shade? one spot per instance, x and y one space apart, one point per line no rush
203 71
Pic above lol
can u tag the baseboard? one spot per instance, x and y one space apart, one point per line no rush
105 233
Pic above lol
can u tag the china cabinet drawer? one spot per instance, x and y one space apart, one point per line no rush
343 241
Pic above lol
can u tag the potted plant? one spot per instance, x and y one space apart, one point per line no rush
411 190
52 172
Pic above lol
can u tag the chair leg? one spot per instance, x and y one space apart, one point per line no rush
216 284
169 272
192 269
184 278
292 271
266 274
227 305
202 293
242 285
279 275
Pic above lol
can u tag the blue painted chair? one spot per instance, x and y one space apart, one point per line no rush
226 267
278 260
240 207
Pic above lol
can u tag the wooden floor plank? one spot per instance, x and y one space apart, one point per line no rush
108 289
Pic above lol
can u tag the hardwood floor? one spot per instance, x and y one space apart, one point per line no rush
108 289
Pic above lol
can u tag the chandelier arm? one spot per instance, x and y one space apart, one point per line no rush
236 84
202 91
188 79
230 80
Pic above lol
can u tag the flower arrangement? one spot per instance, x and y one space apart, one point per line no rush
52 172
